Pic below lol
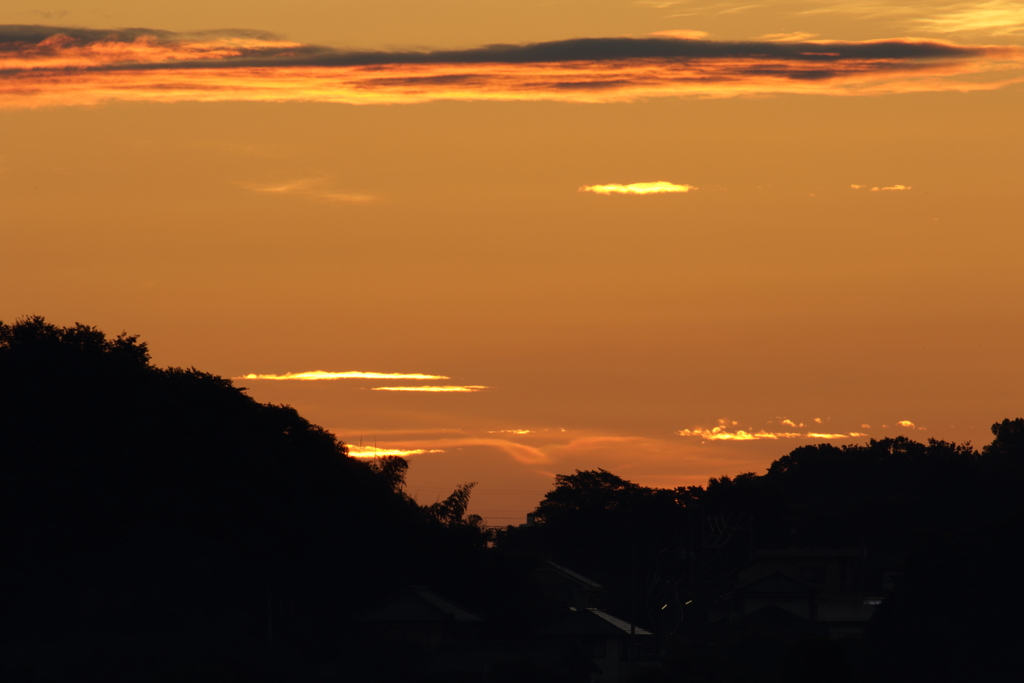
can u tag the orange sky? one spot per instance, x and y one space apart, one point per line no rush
263 188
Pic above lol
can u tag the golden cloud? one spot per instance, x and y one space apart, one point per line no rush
723 433
890 188
374 452
354 374
906 423
658 187
435 389
50 66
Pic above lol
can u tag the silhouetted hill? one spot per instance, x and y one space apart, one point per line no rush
154 514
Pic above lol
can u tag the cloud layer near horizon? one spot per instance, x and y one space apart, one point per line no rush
55 66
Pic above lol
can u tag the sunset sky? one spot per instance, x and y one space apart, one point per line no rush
515 238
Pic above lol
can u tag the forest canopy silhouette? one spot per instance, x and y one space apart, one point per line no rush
159 519
167 500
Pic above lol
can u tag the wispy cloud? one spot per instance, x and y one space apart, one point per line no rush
991 17
52 66
996 17
658 187
511 431
436 389
793 37
352 374
524 453
725 431
314 188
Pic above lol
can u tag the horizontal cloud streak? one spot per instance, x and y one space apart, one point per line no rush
41 66
890 188
353 374
435 389
374 452
659 187
722 433
314 188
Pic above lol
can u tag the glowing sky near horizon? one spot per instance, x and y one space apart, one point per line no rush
601 226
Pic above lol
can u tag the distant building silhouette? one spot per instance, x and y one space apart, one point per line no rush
618 648
826 587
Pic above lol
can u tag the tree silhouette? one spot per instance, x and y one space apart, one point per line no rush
944 514
166 509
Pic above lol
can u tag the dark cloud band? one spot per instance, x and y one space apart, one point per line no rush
15 38
48 65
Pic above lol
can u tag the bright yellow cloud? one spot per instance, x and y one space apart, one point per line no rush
435 389
659 187
374 452
723 433
354 374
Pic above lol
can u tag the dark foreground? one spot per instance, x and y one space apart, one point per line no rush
160 525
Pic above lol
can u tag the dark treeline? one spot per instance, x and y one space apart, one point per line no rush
891 497
161 525
943 520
